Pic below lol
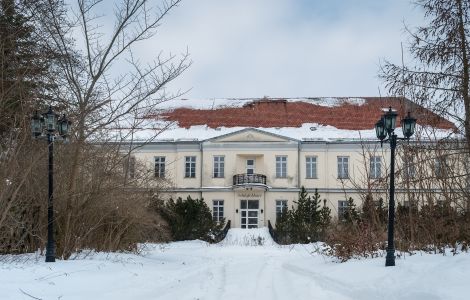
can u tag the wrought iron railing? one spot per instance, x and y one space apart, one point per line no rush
249 179
223 233
272 232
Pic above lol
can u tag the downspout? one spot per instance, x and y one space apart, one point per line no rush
298 163
202 167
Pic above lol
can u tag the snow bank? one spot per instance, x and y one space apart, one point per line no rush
248 237
196 270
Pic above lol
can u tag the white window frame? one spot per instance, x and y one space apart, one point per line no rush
190 166
343 167
281 206
219 166
311 165
250 167
160 162
342 208
409 168
375 167
281 166
218 210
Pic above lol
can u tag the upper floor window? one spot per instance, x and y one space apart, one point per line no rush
219 166
281 207
375 167
250 166
343 167
190 166
281 166
218 210
311 166
160 166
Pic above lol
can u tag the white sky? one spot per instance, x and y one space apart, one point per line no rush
283 48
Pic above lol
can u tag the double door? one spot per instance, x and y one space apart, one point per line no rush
249 213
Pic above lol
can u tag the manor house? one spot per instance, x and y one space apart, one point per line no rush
248 158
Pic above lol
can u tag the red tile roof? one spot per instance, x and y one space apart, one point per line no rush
268 112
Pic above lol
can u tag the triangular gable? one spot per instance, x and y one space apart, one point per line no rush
250 135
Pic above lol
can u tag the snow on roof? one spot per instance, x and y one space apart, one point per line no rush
218 103
305 119
308 132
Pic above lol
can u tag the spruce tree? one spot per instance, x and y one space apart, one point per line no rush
325 219
190 219
351 215
303 224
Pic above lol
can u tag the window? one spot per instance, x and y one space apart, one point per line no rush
219 166
281 207
343 167
250 166
190 166
160 166
218 210
311 165
342 208
281 166
375 167
409 168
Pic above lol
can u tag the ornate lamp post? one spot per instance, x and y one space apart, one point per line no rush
383 128
49 126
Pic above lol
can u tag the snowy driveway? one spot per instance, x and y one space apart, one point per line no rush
196 270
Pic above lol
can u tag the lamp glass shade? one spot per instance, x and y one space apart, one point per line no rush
390 119
36 125
51 120
380 130
408 125
64 126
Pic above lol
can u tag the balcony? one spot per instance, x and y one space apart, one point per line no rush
249 180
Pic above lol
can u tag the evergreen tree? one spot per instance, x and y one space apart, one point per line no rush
325 219
25 64
190 219
302 224
351 214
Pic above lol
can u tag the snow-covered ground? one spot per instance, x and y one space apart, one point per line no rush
236 269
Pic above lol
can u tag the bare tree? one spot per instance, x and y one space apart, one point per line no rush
439 77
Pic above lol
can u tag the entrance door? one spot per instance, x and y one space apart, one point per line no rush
249 213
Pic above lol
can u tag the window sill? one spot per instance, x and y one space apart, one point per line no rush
311 177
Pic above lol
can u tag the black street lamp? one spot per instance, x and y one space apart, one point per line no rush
49 126
386 126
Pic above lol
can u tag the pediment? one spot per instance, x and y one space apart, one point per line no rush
251 135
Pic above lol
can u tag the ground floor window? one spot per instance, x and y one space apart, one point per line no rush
342 208
218 210
281 207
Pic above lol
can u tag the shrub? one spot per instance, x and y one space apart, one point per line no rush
306 223
190 219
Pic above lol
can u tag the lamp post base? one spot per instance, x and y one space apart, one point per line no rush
50 258
390 259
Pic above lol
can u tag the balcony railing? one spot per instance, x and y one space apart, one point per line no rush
240 179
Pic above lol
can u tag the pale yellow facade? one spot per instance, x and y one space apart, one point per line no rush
281 163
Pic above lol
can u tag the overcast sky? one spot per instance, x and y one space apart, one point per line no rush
284 48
